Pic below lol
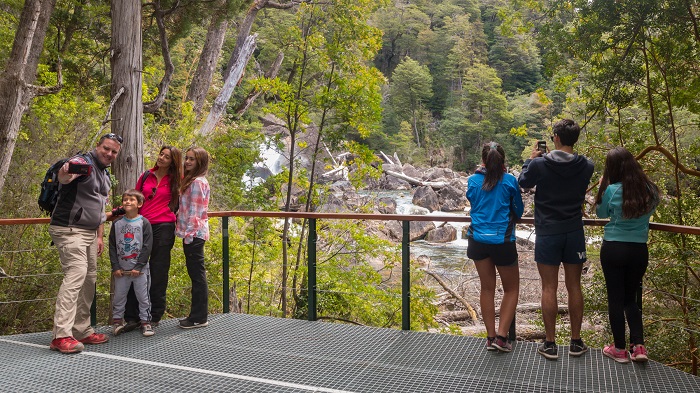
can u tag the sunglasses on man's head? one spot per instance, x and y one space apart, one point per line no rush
113 137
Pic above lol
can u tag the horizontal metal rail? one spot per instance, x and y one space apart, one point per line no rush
312 217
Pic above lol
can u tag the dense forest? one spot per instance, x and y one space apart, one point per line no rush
429 80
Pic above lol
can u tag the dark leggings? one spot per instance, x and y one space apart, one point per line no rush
624 265
163 241
194 259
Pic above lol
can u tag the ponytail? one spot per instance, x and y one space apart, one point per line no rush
494 159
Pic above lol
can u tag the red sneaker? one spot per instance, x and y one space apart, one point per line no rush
95 338
66 345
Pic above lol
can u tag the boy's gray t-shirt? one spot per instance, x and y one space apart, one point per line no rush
130 243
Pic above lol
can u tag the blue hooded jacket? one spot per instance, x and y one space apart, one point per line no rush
493 212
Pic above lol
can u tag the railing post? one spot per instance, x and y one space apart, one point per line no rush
406 276
225 257
311 252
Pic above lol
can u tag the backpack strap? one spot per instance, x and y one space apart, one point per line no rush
142 179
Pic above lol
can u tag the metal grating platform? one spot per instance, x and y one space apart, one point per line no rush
245 353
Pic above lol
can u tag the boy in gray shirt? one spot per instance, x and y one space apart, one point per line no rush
130 243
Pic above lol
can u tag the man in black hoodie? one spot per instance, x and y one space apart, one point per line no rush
561 178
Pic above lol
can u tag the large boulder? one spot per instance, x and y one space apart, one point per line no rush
418 229
452 199
386 205
435 174
342 186
411 171
387 182
426 197
444 234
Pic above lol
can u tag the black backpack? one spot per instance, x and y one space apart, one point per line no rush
50 187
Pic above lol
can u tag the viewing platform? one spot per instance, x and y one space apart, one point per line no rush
246 353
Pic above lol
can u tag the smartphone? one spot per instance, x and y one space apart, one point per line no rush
79 169
542 146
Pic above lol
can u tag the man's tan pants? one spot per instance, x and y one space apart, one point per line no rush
77 249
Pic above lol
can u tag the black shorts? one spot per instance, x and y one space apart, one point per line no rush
504 254
563 247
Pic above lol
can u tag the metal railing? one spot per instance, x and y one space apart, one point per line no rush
312 238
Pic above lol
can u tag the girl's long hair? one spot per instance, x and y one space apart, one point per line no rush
494 158
175 173
201 168
639 194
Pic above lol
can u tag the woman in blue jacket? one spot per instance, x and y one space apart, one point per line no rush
629 198
496 204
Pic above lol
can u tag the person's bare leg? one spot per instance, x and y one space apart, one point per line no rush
549 277
510 278
487 277
572 278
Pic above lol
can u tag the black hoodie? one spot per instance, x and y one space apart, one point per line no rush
561 179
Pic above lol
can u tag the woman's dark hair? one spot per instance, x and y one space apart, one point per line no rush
639 194
494 158
202 158
175 172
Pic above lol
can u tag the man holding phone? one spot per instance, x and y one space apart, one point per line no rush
561 178
77 227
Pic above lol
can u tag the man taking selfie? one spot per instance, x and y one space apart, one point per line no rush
77 227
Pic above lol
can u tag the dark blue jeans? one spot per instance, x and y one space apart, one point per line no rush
194 259
624 265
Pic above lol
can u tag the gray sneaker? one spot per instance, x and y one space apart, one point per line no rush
117 327
548 350
147 330
576 349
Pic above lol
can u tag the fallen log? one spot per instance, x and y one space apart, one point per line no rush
463 315
470 309
417 182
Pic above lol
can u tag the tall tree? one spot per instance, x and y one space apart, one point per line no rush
127 115
411 88
16 81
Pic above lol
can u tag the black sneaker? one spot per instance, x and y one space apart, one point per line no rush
187 324
577 349
131 325
548 350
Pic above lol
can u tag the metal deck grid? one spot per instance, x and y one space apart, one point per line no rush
245 353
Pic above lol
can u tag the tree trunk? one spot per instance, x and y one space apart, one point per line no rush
246 25
253 95
208 60
217 111
16 89
128 109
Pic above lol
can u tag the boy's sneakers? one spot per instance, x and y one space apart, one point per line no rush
66 345
618 355
502 344
95 338
187 324
577 348
638 353
118 327
548 349
489 343
147 329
